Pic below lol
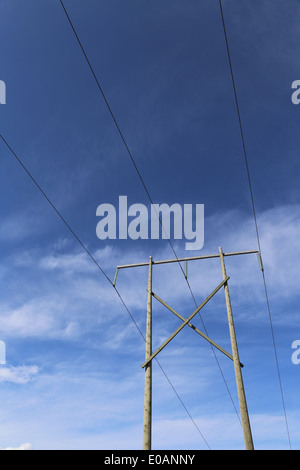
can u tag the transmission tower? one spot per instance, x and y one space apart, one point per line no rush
149 355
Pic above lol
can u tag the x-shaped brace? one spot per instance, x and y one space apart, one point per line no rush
186 321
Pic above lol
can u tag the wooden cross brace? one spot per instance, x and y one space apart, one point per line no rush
186 321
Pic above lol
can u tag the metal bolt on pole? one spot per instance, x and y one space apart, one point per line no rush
237 368
148 369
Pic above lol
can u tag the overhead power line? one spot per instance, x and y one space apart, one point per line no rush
102 271
254 214
143 184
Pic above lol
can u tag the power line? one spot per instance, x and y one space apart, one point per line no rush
116 124
142 181
102 271
254 213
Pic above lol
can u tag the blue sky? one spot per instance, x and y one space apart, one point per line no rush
73 376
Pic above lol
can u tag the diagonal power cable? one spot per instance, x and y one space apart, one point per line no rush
143 184
254 215
102 271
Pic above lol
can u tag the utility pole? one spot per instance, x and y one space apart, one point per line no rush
149 355
148 369
236 361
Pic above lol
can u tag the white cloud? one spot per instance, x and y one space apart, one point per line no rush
26 446
72 262
36 317
18 375
71 285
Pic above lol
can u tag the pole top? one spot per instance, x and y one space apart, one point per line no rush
192 258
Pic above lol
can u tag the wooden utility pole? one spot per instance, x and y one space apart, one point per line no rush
236 361
148 369
187 322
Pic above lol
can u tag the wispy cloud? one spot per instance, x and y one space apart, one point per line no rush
18 227
26 446
18 375
39 317
71 282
